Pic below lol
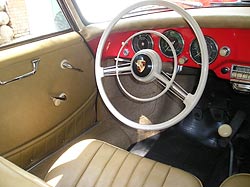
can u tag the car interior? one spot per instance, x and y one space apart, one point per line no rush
157 95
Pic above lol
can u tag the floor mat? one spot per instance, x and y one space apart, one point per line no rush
210 165
142 148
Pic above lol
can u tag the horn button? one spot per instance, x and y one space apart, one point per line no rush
142 65
145 64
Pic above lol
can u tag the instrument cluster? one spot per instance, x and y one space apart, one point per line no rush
145 41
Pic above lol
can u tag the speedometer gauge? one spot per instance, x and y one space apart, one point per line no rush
212 48
142 41
177 41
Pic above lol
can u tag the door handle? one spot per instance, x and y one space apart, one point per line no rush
34 62
59 99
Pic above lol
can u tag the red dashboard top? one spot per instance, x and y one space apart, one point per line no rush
237 40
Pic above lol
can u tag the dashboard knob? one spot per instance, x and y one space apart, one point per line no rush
225 70
125 52
225 51
183 60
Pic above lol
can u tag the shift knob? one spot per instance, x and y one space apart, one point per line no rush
225 130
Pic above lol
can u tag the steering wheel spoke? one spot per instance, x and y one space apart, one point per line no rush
163 80
121 69
176 89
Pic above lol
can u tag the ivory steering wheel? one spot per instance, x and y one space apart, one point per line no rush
146 66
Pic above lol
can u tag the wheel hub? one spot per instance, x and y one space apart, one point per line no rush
144 64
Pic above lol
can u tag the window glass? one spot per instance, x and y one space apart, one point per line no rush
95 11
26 19
99 11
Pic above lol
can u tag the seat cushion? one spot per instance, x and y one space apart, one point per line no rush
95 163
237 180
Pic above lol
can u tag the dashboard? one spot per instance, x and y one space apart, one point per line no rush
227 48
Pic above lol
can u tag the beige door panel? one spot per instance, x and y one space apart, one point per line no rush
31 126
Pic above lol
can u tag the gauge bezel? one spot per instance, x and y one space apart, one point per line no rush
151 41
182 40
214 42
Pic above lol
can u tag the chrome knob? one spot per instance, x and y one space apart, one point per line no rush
225 51
183 60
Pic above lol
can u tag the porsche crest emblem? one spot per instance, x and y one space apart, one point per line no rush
141 65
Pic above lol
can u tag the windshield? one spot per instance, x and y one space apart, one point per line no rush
95 11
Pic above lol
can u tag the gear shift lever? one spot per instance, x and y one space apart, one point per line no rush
225 131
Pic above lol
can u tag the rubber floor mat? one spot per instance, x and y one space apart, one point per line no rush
210 165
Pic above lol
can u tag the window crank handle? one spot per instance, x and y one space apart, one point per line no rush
66 65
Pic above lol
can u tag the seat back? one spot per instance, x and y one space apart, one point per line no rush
11 175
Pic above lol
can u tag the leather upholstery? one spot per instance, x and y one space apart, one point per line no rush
11 175
96 163
32 127
238 180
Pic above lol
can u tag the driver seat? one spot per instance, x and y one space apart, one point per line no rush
96 163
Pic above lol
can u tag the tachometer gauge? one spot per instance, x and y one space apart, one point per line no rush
212 48
142 41
177 41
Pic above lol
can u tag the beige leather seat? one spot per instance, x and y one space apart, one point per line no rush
237 180
12 176
95 163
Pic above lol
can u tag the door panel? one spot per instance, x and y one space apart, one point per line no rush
31 126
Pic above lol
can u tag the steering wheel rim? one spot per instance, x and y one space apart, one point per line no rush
191 99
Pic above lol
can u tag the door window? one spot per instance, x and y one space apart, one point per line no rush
22 20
